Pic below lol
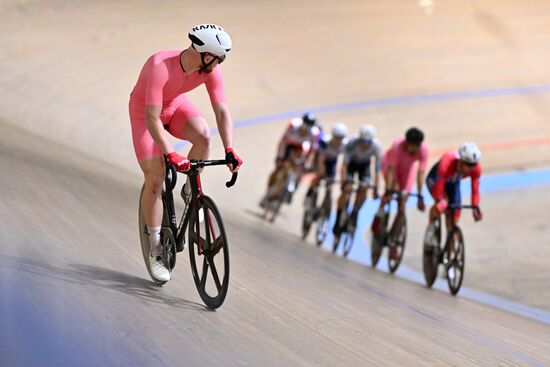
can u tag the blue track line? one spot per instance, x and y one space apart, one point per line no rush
393 101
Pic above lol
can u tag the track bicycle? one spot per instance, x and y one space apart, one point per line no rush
452 255
284 187
318 214
347 225
393 238
208 244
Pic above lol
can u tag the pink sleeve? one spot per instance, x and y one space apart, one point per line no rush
157 77
214 86
424 153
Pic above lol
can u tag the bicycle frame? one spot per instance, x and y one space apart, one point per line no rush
196 192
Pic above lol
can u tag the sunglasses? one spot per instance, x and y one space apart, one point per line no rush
219 58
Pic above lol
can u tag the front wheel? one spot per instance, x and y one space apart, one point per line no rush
208 252
431 250
322 223
396 242
456 257
307 222
347 241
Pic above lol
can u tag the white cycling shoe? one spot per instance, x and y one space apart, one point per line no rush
158 270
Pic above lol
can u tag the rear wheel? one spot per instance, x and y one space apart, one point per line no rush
456 257
209 253
430 255
396 242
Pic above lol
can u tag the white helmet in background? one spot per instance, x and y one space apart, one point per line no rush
210 38
339 130
367 132
469 153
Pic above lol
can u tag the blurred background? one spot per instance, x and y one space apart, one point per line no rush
459 70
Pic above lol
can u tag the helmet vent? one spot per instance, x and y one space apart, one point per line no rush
196 40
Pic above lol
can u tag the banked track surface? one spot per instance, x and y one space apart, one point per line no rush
74 290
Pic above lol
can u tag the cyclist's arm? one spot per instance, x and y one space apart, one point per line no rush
156 129
376 177
224 123
216 92
476 174
377 163
420 180
157 77
422 164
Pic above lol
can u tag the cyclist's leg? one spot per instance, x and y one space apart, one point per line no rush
347 187
364 179
452 190
151 163
279 165
188 124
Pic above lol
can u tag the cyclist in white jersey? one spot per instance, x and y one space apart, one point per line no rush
358 156
330 148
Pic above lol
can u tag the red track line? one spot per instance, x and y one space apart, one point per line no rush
503 145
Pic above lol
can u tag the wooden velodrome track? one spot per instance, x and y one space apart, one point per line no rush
74 290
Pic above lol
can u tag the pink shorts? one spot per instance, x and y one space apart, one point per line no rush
405 180
174 116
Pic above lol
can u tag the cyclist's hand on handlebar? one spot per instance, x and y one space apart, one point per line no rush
420 203
375 194
181 163
234 159
441 205
478 215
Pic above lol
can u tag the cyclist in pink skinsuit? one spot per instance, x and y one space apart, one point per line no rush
398 169
398 163
158 106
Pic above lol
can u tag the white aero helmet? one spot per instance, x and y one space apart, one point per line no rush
210 38
339 130
469 152
367 132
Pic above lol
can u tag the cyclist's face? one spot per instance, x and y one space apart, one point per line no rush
365 143
337 141
412 149
210 61
465 168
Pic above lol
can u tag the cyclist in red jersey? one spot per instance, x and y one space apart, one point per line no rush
299 142
443 181
158 107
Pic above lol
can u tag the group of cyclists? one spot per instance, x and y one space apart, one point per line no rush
159 107
305 147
